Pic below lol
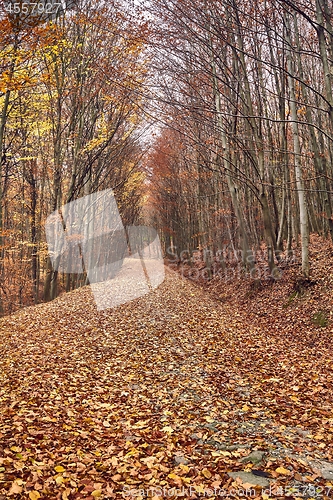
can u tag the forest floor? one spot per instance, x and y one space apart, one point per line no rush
188 392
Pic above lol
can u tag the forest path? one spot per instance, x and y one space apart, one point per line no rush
171 390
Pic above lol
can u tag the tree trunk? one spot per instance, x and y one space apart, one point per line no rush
303 215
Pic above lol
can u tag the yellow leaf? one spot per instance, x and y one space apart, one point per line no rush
206 473
140 424
168 429
282 470
34 495
132 453
97 493
59 468
245 408
65 494
59 480
174 476
17 449
18 465
302 462
225 453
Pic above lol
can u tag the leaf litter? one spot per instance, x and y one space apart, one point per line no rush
172 390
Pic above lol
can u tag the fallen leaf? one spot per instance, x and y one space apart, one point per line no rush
282 470
34 495
59 468
206 473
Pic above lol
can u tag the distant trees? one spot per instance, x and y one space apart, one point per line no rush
249 89
242 93
69 125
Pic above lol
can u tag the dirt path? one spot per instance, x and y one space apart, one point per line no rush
173 390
